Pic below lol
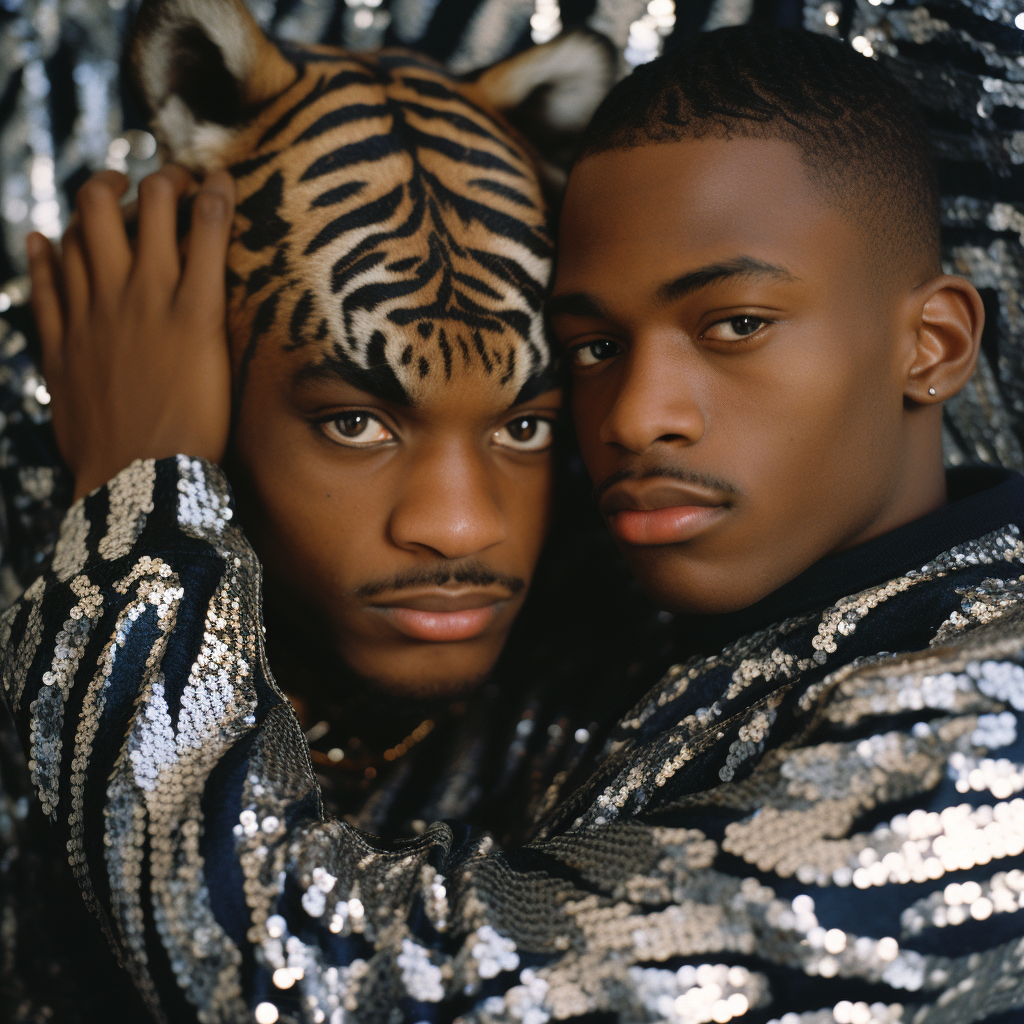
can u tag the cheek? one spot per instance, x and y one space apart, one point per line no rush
527 499
591 403
846 400
819 419
312 523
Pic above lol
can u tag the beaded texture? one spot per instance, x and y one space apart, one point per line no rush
792 820
799 830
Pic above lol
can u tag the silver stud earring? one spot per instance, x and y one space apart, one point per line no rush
931 391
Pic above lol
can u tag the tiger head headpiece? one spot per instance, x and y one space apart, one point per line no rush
388 216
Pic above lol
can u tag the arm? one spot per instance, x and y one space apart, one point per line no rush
97 657
177 775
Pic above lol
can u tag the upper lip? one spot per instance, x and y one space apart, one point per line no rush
443 599
658 492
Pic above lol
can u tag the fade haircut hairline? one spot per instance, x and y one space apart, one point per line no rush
858 130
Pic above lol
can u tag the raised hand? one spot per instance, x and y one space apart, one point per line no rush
134 341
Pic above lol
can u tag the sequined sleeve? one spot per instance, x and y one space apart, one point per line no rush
785 829
133 670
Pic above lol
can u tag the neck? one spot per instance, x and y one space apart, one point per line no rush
917 483
983 499
332 701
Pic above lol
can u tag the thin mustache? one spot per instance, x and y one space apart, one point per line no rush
686 476
439 576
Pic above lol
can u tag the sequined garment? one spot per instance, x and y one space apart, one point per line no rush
61 116
800 824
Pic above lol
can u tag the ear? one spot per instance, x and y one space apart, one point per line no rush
948 318
202 67
550 93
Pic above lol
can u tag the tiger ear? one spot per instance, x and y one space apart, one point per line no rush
550 93
202 66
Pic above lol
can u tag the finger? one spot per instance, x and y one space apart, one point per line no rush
46 300
75 276
101 226
202 284
156 260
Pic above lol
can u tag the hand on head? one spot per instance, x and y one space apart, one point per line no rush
134 343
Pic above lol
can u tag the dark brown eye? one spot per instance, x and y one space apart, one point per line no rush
356 429
525 434
595 352
735 328
352 424
523 429
744 325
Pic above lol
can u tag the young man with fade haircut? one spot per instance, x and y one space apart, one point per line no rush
802 820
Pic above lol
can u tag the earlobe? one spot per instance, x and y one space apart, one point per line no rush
948 320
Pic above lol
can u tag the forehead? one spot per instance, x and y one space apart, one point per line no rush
387 221
651 212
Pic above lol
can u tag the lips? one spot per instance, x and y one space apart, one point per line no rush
658 511
441 617
441 627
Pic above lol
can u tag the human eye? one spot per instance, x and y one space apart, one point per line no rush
526 434
735 328
594 352
356 429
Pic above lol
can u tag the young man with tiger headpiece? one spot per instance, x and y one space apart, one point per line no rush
387 385
744 286
392 389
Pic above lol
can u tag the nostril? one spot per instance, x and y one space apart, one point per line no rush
637 445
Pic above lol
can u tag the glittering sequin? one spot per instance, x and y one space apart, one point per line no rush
781 803
615 882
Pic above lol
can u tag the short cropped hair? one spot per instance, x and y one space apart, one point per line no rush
861 134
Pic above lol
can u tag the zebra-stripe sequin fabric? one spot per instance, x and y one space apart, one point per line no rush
800 828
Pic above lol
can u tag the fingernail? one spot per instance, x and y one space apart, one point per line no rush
33 245
211 204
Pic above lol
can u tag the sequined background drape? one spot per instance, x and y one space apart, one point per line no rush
64 113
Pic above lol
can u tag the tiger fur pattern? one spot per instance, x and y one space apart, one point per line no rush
387 212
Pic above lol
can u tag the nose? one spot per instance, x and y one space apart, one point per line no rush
449 504
657 398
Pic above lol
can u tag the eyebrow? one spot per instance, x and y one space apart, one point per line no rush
740 266
546 380
379 380
584 304
576 304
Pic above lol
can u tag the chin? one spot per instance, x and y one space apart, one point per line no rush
444 671
672 581
420 688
